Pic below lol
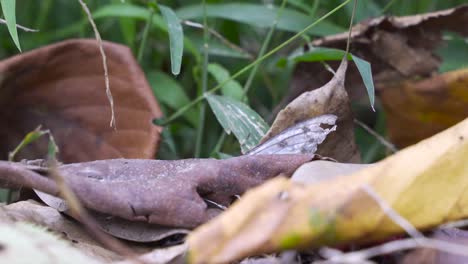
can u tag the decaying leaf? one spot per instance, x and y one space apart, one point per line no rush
329 99
158 191
61 87
118 227
430 105
321 170
433 256
47 217
39 245
398 48
426 184
64 239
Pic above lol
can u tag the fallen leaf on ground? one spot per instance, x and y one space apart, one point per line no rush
61 87
158 191
331 98
430 105
398 48
321 170
425 183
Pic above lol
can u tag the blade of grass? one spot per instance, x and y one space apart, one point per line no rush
148 24
9 12
176 37
202 116
251 65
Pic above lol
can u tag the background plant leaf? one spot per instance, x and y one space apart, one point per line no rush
9 12
232 88
176 37
238 118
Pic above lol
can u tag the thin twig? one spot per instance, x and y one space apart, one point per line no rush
379 138
3 21
348 43
396 217
104 62
218 36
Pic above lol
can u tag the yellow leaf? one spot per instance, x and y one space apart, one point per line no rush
425 183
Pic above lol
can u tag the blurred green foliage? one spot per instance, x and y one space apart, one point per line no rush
243 26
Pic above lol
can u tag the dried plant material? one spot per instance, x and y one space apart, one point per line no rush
118 227
322 170
328 99
158 191
398 48
419 109
61 88
40 246
47 217
303 137
434 256
425 184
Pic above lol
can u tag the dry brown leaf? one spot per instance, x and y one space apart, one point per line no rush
398 48
61 87
158 191
419 109
329 99
425 183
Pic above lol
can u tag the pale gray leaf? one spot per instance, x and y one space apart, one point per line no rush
303 137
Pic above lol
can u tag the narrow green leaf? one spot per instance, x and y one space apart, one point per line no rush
9 12
365 70
232 88
240 119
316 54
28 139
170 93
259 16
176 37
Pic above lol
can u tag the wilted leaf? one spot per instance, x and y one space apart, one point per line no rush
61 87
426 184
329 99
419 109
240 119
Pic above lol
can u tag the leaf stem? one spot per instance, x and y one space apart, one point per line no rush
202 115
149 22
184 109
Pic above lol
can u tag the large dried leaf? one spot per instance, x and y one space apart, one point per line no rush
61 87
425 183
158 191
331 98
419 109
398 48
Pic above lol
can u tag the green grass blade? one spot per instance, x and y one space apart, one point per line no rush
237 118
365 70
9 12
176 37
232 88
